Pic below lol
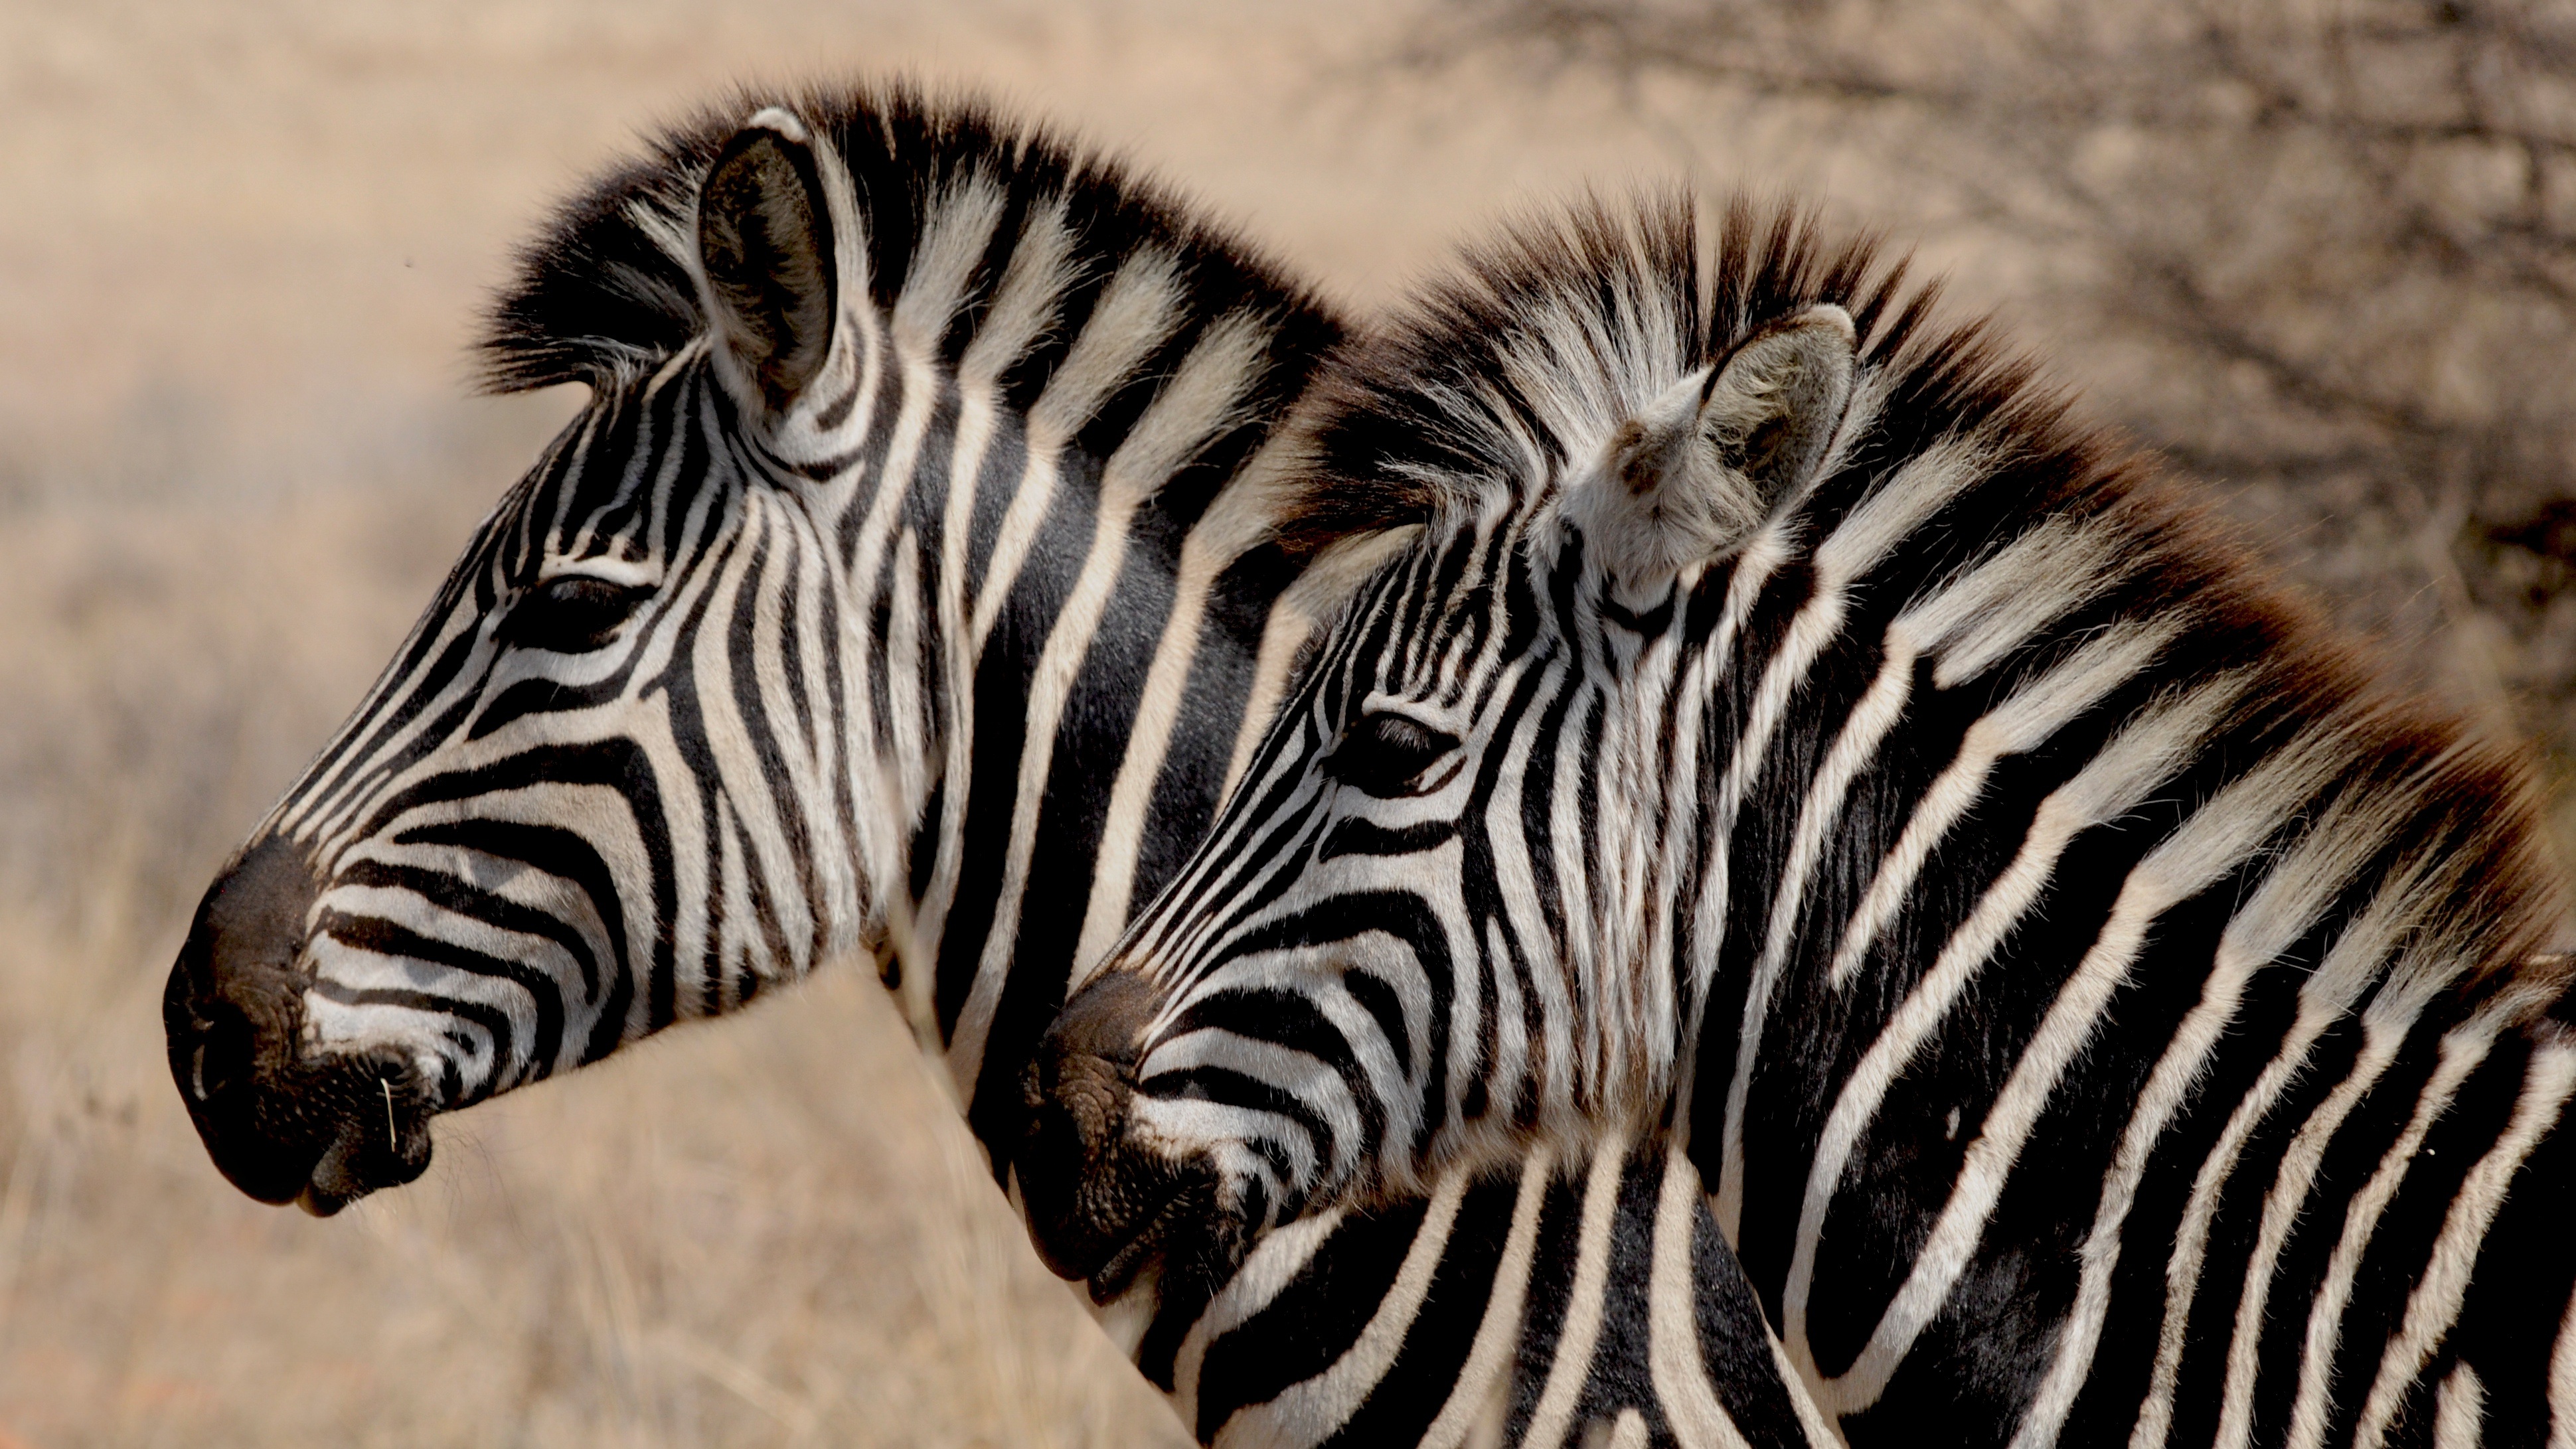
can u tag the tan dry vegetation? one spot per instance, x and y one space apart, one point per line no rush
241 256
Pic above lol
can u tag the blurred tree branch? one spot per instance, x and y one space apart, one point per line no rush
2325 250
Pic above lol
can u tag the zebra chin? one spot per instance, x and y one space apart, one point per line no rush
319 1132
1102 1205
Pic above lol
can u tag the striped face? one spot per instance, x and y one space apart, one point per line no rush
909 585
598 790
1372 969
604 785
1412 940
1356 964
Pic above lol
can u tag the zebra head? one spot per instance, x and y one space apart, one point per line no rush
603 785
1373 969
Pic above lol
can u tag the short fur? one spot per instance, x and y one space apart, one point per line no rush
1956 784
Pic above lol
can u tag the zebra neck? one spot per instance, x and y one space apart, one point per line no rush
1059 670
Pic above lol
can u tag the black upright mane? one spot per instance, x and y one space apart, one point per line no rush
599 294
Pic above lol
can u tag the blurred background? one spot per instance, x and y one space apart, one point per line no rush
2323 254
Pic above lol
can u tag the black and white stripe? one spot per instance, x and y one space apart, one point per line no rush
909 583
1541 1302
943 650
2102 1010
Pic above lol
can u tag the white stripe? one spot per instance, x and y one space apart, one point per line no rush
2434 1306
1311 1410
2459 1410
1581 1333
1026 304
1480 1386
956 230
1673 1357
2562 1381
977 420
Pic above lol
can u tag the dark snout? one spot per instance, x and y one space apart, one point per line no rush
1098 1206
282 1128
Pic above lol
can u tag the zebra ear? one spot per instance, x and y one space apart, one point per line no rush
1700 467
765 246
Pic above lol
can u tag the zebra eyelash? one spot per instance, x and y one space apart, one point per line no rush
1385 754
571 614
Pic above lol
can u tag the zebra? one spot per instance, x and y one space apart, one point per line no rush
908 587
2101 1008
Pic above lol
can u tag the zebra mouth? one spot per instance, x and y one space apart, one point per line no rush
1169 1234
1102 1204
1109 1219
320 1134
370 1151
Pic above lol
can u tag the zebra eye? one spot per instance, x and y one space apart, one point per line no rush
570 614
1385 754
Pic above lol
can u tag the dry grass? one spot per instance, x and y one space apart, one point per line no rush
243 250
767 1233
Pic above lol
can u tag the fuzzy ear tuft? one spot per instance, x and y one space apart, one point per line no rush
1773 408
765 245
1699 468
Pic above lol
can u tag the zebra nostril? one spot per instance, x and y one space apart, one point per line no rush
224 1052
1105 1019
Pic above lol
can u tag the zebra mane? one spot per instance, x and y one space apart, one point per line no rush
1539 346
1540 343
602 294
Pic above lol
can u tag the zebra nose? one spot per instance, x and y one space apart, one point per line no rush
1077 1189
231 1011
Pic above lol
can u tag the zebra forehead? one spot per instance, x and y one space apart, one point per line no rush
947 191
607 487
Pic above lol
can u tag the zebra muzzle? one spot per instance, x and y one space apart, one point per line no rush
282 1129
1101 1206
